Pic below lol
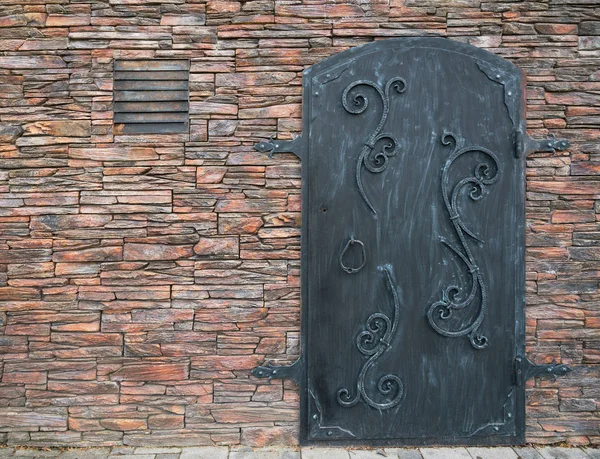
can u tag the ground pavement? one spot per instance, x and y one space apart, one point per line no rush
302 453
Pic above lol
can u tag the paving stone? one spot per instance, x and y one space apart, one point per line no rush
527 452
132 456
269 453
167 456
122 450
85 453
150 450
403 453
594 453
492 453
205 452
27 452
445 453
324 453
6 452
367 454
562 453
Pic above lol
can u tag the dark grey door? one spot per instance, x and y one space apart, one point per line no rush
413 272
413 219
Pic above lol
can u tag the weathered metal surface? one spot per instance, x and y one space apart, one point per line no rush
413 271
151 96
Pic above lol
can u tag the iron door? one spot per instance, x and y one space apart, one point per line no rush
413 245
413 271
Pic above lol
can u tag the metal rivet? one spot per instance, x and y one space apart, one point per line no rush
498 76
315 416
276 145
328 75
260 373
495 427
509 93
316 93
330 433
274 372
510 415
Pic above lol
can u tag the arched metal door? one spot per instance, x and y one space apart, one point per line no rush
413 280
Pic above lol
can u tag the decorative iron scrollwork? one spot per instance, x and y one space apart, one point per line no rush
372 342
377 162
453 297
350 243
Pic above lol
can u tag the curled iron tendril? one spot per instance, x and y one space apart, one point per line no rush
378 147
455 297
372 342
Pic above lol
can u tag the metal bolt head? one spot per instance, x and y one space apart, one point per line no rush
498 76
274 372
329 433
509 93
315 416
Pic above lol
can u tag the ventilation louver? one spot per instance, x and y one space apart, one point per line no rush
151 96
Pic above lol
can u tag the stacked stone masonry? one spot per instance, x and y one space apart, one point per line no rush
142 277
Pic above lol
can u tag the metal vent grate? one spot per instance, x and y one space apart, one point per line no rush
151 96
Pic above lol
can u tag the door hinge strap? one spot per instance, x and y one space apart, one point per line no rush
525 369
293 371
271 146
526 145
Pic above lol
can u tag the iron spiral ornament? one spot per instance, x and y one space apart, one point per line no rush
454 297
370 158
373 342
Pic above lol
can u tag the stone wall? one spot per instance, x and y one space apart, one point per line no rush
142 277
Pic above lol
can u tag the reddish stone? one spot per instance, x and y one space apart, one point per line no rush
227 362
30 377
21 418
221 247
165 422
269 436
156 252
124 424
210 174
222 6
60 20
72 128
556 29
28 329
573 216
95 254
157 371
247 414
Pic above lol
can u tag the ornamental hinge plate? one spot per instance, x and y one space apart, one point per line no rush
525 145
272 146
293 371
525 369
